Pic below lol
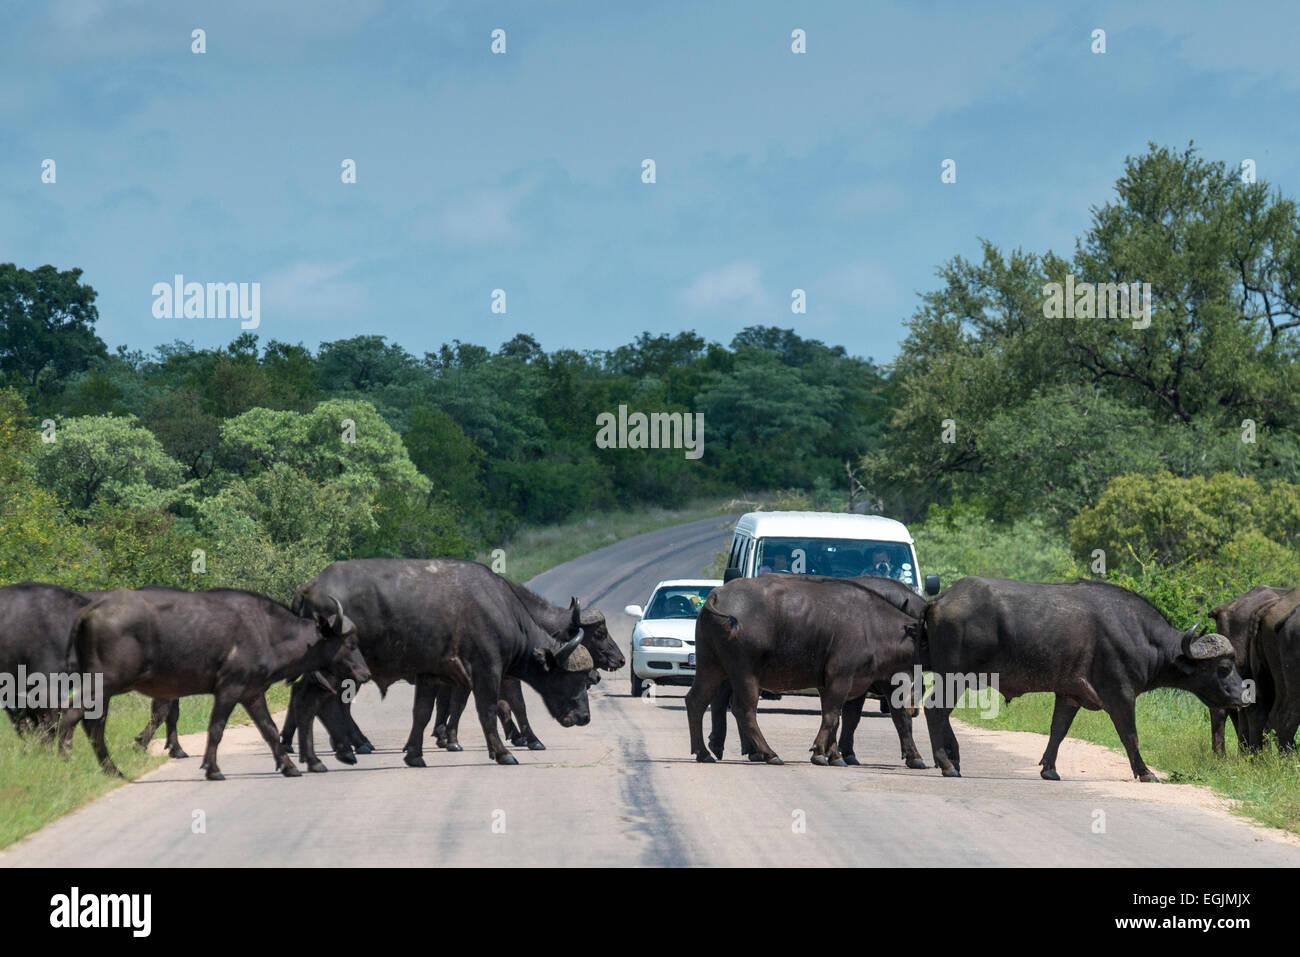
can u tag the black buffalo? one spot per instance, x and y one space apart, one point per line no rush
1275 654
560 623
36 635
37 620
431 621
1094 645
1238 621
906 600
789 632
231 644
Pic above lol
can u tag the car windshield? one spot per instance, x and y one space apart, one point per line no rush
836 557
678 601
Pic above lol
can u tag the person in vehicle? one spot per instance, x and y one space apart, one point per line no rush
777 561
880 565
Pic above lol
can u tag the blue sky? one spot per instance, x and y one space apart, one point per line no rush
522 171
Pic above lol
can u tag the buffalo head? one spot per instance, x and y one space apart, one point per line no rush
565 676
341 649
605 652
1208 661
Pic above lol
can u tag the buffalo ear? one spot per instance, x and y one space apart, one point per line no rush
544 658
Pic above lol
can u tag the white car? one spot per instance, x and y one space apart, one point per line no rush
663 640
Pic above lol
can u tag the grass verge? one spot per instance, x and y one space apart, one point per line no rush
36 786
1174 737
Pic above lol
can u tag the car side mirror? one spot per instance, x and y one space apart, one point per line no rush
634 610
932 585
730 573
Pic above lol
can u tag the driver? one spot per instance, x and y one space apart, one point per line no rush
777 561
881 566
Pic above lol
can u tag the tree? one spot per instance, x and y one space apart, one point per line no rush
108 459
47 326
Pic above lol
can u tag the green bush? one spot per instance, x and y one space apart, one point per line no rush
1171 520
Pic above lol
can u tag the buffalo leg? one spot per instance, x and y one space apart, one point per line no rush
824 749
426 693
352 732
442 706
1218 719
222 704
902 718
942 740
336 715
1125 720
157 715
850 716
746 703
718 716
512 703
1285 721
296 694
255 705
487 692
458 698
303 709
1063 713
95 731
174 748
704 687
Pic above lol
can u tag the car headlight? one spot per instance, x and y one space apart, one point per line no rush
649 642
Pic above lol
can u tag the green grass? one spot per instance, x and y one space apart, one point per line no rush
37 786
1174 738
534 550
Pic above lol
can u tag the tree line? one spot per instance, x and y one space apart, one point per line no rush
998 409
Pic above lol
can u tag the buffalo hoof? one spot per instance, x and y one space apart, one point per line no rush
347 757
916 764
821 760
414 761
507 759
452 747
851 758
703 757
365 748
839 763
951 773
291 771
774 760
1049 774
177 753
317 767
536 746
215 775
1149 778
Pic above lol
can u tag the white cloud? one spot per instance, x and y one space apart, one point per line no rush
314 290
739 283
483 217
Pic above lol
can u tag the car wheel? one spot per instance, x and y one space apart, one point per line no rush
638 686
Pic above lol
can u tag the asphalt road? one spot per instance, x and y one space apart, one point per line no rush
624 791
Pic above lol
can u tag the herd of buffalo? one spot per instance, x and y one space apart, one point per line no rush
452 627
